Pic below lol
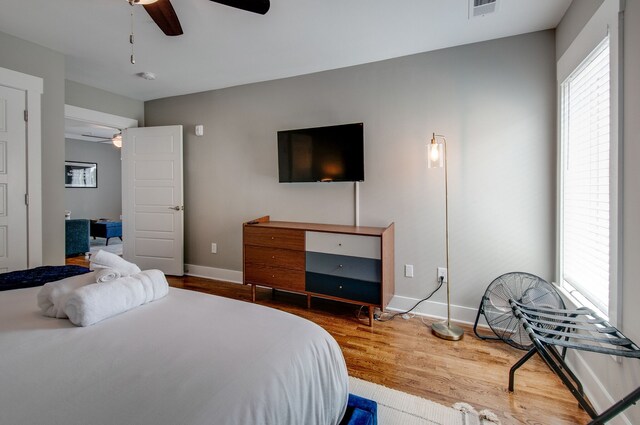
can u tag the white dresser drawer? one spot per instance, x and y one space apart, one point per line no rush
351 245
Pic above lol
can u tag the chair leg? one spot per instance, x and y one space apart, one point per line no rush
516 366
560 371
617 408
561 361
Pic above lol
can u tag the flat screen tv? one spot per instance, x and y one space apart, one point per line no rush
322 154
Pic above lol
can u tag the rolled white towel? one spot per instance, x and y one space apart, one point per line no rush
93 303
107 275
155 284
107 260
52 297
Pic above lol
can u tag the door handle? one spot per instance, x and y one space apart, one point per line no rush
177 208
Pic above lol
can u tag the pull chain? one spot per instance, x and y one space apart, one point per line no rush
131 38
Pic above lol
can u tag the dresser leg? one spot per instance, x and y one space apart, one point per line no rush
371 315
253 293
308 301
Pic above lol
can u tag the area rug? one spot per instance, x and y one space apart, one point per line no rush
115 246
398 408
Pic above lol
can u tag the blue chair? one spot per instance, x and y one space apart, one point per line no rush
76 237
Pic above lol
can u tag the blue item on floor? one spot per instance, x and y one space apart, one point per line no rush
39 276
360 411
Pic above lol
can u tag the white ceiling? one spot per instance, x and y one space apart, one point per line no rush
81 130
223 47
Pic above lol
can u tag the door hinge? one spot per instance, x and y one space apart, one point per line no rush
26 199
26 115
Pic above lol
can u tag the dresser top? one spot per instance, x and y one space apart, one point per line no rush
319 227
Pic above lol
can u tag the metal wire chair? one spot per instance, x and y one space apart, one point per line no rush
581 329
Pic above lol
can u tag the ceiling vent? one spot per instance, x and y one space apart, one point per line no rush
482 7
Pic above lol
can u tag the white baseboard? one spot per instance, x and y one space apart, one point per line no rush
434 309
595 391
223 275
398 303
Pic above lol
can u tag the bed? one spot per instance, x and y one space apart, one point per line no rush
186 359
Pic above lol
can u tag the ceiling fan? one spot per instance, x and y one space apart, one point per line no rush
116 139
163 14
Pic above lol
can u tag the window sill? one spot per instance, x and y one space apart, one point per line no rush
575 300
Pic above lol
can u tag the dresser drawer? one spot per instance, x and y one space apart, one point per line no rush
275 277
366 269
351 245
274 257
277 238
341 287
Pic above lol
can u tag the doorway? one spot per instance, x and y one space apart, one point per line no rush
94 200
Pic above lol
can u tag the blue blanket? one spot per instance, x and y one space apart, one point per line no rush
38 276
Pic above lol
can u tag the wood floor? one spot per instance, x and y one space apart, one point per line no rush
404 355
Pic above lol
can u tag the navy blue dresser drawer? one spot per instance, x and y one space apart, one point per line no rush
359 268
343 287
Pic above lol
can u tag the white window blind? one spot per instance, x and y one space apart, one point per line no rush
584 126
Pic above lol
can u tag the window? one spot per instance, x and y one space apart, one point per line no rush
585 120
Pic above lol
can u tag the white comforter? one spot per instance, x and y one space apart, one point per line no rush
187 359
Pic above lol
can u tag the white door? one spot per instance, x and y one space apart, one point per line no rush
13 180
152 200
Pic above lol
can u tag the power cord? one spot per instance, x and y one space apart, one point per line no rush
393 316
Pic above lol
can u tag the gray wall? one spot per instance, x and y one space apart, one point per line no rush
620 378
495 102
88 97
29 58
106 200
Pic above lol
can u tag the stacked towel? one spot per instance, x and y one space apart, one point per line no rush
53 296
92 303
107 260
107 275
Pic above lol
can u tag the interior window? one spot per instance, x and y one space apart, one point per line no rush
585 203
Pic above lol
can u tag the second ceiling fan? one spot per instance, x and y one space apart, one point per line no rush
163 14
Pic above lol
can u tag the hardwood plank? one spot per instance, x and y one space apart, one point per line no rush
404 355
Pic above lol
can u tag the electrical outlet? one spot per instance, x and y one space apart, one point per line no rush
408 270
214 248
442 272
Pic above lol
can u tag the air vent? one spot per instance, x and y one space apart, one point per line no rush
482 7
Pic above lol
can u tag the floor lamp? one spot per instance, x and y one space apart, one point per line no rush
437 153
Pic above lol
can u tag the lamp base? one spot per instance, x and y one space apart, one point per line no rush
447 331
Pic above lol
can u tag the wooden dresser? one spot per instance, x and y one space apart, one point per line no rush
352 264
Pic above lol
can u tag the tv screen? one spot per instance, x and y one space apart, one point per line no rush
322 154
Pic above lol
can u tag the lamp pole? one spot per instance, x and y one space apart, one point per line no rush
446 330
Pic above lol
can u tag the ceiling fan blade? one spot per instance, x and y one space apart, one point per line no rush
255 6
164 16
99 139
